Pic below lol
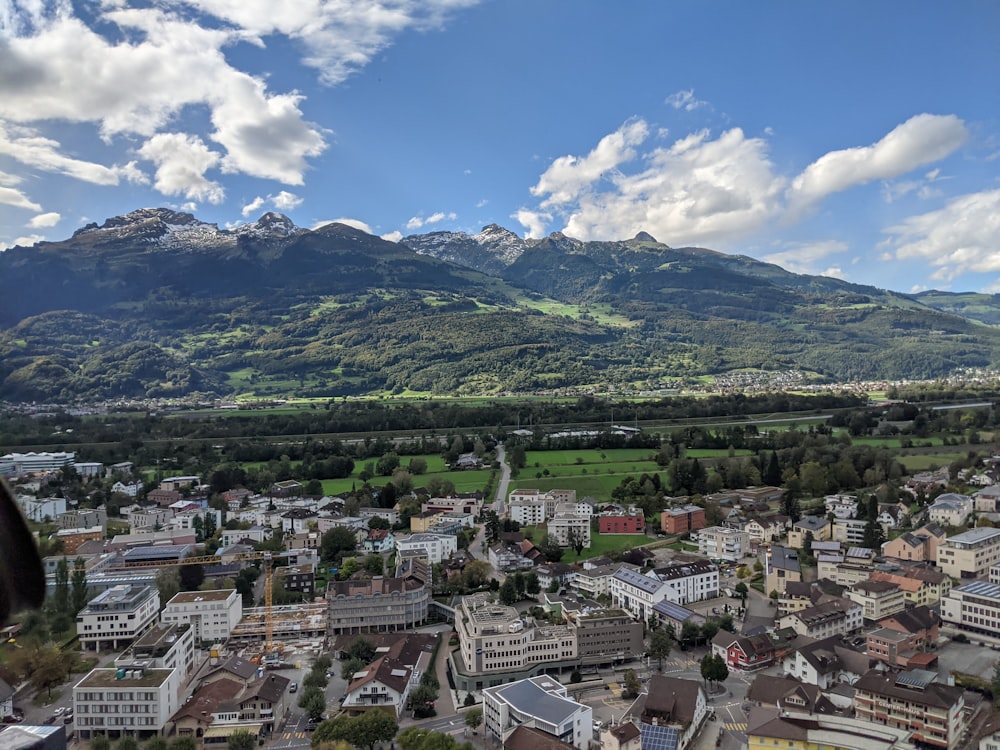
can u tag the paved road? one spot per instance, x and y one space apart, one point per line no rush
500 498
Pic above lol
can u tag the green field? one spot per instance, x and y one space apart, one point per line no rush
464 481
600 544
929 461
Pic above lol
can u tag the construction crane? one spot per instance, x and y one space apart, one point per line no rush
267 558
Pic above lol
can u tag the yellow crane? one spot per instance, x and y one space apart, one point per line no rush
267 558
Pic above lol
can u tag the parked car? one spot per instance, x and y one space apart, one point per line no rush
293 687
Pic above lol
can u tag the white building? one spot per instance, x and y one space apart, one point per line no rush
437 546
973 607
688 582
42 509
254 534
212 615
567 527
636 594
540 702
132 489
89 469
169 646
722 543
950 509
116 616
969 554
832 616
842 506
30 463
526 507
136 702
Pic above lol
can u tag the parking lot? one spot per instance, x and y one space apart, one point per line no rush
970 658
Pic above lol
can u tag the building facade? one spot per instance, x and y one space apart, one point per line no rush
969 554
913 700
212 615
113 618
117 702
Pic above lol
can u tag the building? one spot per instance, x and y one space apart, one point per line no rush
878 599
917 546
825 662
495 642
300 578
85 518
969 554
115 617
605 636
950 509
671 712
781 565
831 616
161 647
539 702
722 543
380 603
568 527
636 593
633 522
849 531
673 615
595 582
136 702
769 727
383 685
765 529
13 464
897 649
682 519
688 582
744 653
212 615
42 509
438 547
526 507
921 584
913 699
225 706
379 541
973 607
842 506
73 539
818 526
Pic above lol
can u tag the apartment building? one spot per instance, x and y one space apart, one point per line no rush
914 700
526 507
631 522
212 615
636 593
606 636
916 546
818 526
114 618
849 531
568 527
722 543
161 647
973 607
969 554
683 519
687 582
119 702
595 582
831 616
771 727
877 599
781 565
920 584
437 547
380 604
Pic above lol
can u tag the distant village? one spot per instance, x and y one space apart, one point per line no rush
810 637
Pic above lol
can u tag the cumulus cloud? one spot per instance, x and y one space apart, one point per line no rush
252 207
921 140
809 258
138 82
534 222
181 162
11 196
693 191
416 222
394 236
43 221
685 100
285 201
26 241
957 239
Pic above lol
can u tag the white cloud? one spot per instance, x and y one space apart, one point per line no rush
808 258
685 100
569 176
395 236
43 221
285 201
10 196
252 207
26 241
30 148
356 223
696 190
534 222
138 84
922 139
416 222
181 162
893 191
957 239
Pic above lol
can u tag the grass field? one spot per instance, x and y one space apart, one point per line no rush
600 544
929 461
464 481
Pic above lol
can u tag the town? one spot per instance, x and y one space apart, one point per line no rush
289 619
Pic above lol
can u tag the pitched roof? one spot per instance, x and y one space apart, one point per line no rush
528 738
935 694
270 688
207 700
786 691
670 700
912 620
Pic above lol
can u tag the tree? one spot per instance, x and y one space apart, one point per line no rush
660 644
373 727
713 668
313 703
422 700
576 540
690 633
508 592
552 551
79 590
995 682
181 743
532 586
100 742
632 686
241 740
50 669
742 590
192 576
60 597
473 718
156 742
350 667
337 542
127 743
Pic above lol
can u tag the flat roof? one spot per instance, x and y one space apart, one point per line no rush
110 678
216 595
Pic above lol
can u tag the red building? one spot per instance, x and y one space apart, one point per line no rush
682 519
744 653
632 524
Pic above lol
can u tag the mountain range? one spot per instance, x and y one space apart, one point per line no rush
158 304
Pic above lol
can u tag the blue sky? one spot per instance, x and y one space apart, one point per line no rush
854 139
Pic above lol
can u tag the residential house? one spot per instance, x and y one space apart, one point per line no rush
744 653
721 543
820 528
300 578
670 712
920 545
438 547
596 582
687 582
673 615
765 529
505 556
987 500
131 489
526 507
288 488
842 506
825 662
298 520
849 531
555 573
831 616
920 583
630 522
781 565
379 541
950 509
383 685
568 527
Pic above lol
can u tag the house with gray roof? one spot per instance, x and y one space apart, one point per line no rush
541 702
